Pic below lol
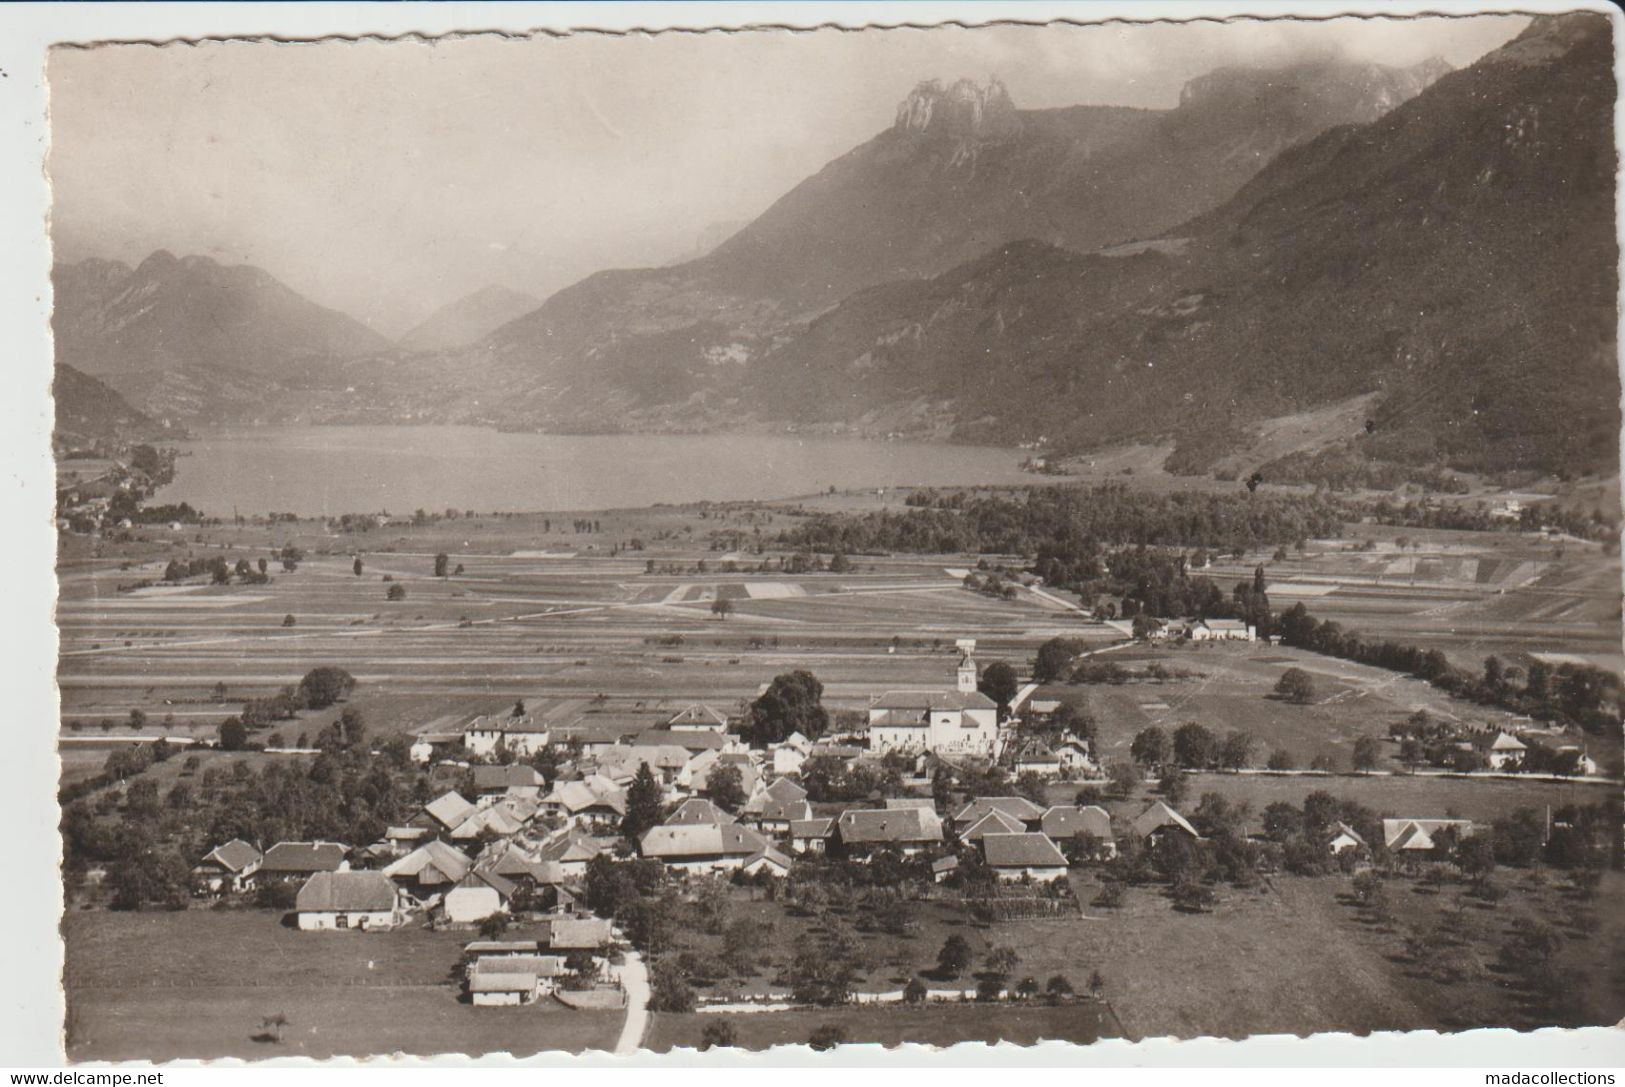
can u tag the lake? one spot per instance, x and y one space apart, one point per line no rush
357 469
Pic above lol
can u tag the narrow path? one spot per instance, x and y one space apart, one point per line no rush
635 980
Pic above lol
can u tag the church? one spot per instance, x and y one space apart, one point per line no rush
963 721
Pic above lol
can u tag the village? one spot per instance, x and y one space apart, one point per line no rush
992 800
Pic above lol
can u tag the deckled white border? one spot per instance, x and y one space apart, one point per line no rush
30 964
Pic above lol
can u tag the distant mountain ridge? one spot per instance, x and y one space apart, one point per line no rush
88 411
173 322
1438 244
468 320
960 171
1456 256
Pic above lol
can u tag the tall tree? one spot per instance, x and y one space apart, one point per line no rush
724 787
1054 658
999 683
1150 748
355 567
441 562
643 806
1194 746
325 685
793 702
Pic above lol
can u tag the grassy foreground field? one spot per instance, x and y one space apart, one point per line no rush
936 1025
139 988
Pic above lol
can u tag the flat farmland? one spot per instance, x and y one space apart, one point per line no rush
556 631
136 989
1468 594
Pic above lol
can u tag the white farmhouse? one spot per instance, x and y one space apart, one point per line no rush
519 734
1222 630
347 900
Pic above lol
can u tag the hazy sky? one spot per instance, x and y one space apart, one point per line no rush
386 179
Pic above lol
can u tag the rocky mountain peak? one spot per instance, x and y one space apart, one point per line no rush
963 109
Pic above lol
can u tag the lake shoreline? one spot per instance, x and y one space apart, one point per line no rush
323 471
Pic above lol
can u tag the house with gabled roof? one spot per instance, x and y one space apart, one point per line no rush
698 811
1158 820
623 761
1024 855
227 869
1502 750
811 835
516 780
299 860
567 934
525 869
767 860
697 774
571 849
520 734
701 847
1075 758
772 808
399 841
1045 764
1069 823
503 819
1415 836
444 813
859 831
347 900
1220 630
478 895
1345 838
994 822
594 802
694 741
432 868
698 717
1019 808
509 980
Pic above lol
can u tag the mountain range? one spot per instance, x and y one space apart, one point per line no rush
468 320
1281 239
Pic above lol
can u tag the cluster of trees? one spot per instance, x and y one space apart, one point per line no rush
1591 524
833 780
1191 747
220 569
1574 694
1110 672
1189 868
1345 468
1067 529
181 513
149 843
991 585
1423 740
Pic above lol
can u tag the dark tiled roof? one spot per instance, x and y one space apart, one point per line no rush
346 892
1021 851
303 857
